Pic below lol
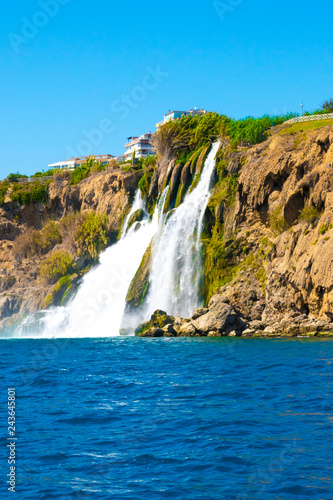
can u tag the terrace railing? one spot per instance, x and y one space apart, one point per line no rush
311 118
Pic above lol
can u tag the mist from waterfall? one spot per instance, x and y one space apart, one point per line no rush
97 309
98 306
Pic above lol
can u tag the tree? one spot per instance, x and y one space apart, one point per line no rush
328 106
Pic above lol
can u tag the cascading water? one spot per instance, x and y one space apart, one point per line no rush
99 304
138 204
177 260
98 307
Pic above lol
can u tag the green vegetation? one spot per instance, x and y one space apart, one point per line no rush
277 222
48 173
219 268
225 191
16 177
49 236
305 126
87 168
30 192
56 266
144 183
91 236
254 130
299 139
149 161
309 214
3 191
34 242
159 318
325 227
83 171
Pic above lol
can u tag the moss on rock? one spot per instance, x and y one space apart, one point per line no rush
136 216
139 286
157 321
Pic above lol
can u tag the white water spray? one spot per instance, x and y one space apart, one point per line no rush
177 260
98 306
138 204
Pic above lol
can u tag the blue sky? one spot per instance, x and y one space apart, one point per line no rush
81 76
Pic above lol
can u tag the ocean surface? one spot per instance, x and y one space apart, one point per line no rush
180 419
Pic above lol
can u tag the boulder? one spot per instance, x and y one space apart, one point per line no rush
199 312
187 330
152 332
221 317
136 216
169 331
140 283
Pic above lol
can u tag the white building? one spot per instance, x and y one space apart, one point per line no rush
63 164
77 162
140 146
176 115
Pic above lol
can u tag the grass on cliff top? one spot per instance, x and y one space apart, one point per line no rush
305 126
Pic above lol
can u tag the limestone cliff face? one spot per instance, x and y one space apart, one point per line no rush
21 291
275 238
290 179
283 218
268 239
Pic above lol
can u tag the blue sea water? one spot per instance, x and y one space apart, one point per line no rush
180 419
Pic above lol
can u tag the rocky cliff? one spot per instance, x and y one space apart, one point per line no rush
22 289
267 241
269 238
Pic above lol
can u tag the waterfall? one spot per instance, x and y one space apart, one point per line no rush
177 255
99 303
97 310
138 204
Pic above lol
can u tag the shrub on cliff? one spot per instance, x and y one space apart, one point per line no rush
3 191
68 226
91 236
48 237
59 264
144 182
48 173
87 168
30 192
25 244
254 130
32 241
277 221
16 177
309 214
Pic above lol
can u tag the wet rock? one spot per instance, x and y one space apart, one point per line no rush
152 332
221 317
187 330
214 334
9 305
136 216
169 331
199 312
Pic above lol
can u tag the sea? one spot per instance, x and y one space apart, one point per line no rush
171 418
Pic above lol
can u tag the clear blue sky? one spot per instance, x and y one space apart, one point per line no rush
65 72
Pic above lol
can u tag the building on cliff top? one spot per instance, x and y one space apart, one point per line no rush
73 163
141 147
176 115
